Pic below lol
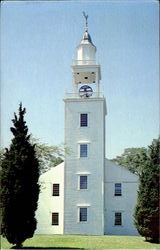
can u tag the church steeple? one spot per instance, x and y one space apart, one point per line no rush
85 69
85 111
86 36
86 49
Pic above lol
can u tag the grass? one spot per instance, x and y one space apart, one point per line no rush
84 242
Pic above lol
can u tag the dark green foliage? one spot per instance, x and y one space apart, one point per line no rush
132 159
20 188
147 215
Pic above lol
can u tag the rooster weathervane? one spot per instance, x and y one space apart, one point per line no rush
86 17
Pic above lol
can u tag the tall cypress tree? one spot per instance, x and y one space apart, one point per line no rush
147 212
19 182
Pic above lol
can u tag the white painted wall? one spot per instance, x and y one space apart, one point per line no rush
113 174
94 164
49 204
125 203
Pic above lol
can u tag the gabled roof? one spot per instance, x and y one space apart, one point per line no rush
114 172
53 170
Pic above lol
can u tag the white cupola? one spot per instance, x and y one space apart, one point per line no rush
85 69
86 51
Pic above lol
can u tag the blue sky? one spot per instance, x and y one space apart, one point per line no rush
38 44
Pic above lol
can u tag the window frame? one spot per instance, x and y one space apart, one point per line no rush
118 221
118 190
57 221
80 150
80 216
79 182
86 121
58 194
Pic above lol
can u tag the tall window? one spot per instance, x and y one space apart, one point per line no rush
118 219
55 219
55 189
83 120
83 150
82 214
83 182
118 189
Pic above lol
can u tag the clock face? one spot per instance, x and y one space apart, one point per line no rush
85 91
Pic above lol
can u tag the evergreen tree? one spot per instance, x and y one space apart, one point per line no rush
19 182
147 208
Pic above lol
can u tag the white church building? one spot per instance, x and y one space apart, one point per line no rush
87 194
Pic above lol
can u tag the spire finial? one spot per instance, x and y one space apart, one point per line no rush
86 17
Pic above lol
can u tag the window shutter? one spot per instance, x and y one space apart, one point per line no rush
83 214
55 219
83 120
83 150
118 189
118 219
55 189
83 182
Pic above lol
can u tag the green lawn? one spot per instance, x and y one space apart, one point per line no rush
84 242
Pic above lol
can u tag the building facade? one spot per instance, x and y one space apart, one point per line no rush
87 194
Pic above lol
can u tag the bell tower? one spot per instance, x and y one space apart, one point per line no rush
85 111
85 69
